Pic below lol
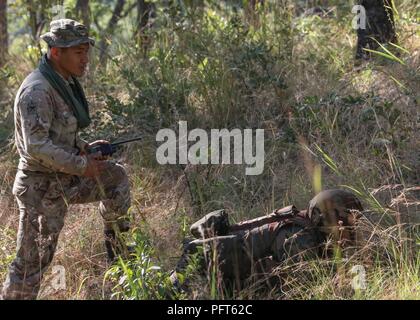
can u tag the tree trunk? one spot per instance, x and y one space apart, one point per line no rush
36 21
83 12
33 22
116 15
380 27
251 14
4 40
37 18
144 12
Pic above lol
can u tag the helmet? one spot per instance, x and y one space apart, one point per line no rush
331 209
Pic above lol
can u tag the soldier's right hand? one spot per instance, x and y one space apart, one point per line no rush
95 166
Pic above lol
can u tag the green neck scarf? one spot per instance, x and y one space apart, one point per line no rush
74 97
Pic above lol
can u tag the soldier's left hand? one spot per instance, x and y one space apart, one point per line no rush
95 143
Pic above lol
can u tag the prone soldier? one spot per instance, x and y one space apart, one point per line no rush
257 246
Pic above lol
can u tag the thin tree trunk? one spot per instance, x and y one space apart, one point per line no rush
109 31
380 27
4 39
36 20
251 14
144 11
32 18
83 11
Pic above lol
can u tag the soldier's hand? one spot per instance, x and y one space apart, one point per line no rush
95 165
92 144
95 143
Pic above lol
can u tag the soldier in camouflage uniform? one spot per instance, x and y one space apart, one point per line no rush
255 247
54 169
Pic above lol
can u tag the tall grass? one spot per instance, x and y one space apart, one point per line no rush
327 124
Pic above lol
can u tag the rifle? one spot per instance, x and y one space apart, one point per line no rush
108 149
277 215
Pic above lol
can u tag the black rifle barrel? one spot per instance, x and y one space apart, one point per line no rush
126 141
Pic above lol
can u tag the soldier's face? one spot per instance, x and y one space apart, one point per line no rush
74 60
341 230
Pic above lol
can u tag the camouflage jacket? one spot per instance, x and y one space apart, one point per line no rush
46 131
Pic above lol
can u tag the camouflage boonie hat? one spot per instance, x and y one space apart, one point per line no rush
66 33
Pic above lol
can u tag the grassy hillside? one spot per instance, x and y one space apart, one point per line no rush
329 122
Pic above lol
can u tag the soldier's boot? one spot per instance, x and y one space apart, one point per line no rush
115 247
110 245
114 241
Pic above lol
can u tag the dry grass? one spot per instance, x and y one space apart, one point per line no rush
327 103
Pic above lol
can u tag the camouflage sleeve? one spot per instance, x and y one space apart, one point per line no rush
36 112
295 243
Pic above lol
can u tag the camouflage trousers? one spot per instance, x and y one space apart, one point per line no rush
43 200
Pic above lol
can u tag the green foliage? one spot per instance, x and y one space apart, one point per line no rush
204 68
139 277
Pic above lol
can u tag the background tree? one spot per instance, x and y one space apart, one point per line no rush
37 18
251 13
83 11
4 39
145 10
109 30
380 26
